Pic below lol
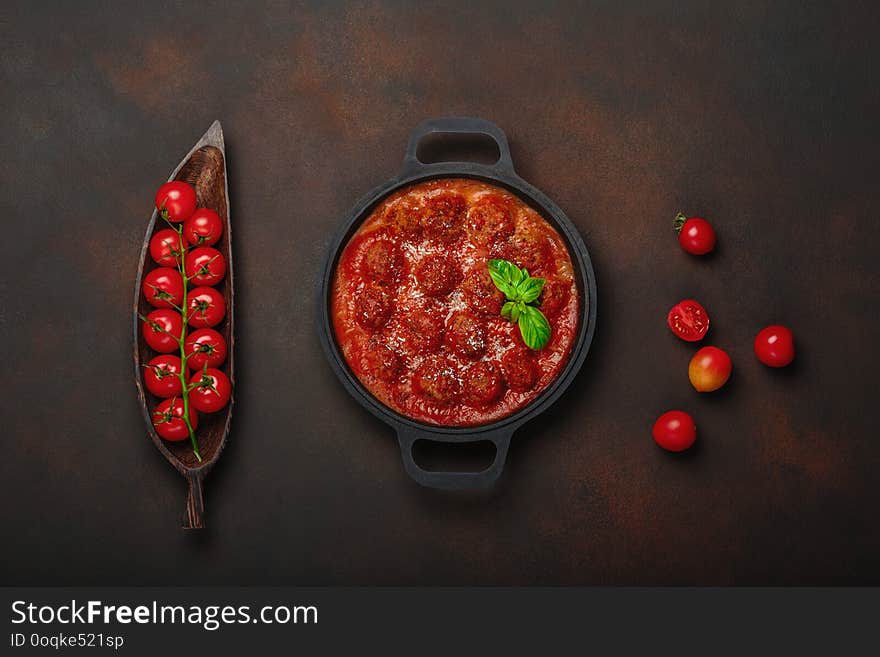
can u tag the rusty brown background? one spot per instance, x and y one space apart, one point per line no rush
760 115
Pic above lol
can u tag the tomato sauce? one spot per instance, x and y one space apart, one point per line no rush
416 314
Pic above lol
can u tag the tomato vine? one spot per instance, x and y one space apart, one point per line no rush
184 313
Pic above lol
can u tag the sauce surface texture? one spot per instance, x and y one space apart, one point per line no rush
417 317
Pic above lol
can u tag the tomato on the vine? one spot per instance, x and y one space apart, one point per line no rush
205 266
688 320
211 392
162 376
177 199
695 234
709 369
204 346
163 288
166 246
168 419
774 346
206 307
203 228
675 431
161 330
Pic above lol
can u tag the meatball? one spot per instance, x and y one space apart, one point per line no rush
380 361
443 217
466 334
423 327
520 370
438 275
530 249
373 307
481 384
480 292
489 221
403 218
383 261
554 296
437 380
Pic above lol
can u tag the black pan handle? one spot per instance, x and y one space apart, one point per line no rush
461 125
454 480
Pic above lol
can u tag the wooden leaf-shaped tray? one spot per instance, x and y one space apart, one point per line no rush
204 167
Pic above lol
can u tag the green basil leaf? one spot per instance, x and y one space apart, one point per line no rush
500 275
530 289
534 328
517 275
507 310
506 276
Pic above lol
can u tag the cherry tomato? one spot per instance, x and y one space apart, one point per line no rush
168 419
203 228
774 346
695 234
709 369
212 390
204 346
688 320
161 330
675 431
177 199
163 287
205 266
165 247
206 307
162 376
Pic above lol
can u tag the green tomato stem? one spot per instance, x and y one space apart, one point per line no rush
181 340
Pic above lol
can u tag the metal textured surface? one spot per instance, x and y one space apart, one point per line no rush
761 116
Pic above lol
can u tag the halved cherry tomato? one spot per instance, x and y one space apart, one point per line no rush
163 287
688 320
212 390
161 330
206 307
177 199
675 431
774 346
162 376
709 369
168 419
203 228
204 346
205 266
695 234
165 247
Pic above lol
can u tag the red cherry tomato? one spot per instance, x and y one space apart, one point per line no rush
204 346
203 228
161 330
695 234
165 247
163 287
774 346
675 431
688 320
709 369
177 199
168 419
206 307
162 376
205 266
212 390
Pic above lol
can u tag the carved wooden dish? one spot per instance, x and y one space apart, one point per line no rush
204 167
